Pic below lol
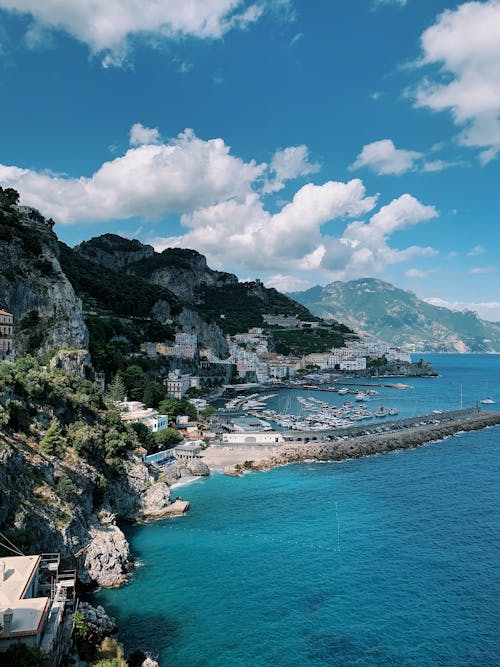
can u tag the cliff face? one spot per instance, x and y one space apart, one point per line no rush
47 312
66 520
401 318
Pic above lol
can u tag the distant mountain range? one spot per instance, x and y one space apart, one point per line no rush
400 318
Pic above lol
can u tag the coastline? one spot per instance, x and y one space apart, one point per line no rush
263 457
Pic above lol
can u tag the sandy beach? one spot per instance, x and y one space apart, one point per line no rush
218 457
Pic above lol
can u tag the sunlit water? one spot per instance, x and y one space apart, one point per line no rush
387 560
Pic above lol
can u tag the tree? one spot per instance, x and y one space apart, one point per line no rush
207 412
133 377
154 392
53 442
177 406
144 436
117 390
166 438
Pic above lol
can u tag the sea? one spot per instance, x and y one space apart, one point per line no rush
389 560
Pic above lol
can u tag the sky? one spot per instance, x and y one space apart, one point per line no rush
297 141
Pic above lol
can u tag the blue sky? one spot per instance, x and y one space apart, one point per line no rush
300 142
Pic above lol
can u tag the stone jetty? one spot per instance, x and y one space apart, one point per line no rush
398 435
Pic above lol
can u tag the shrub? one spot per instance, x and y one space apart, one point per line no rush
53 442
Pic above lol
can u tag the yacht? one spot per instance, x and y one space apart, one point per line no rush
381 412
487 401
361 396
343 391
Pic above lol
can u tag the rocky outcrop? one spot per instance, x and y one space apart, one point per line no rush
185 470
74 362
98 619
107 557
209 334
47 312
114 252
197 468
155 502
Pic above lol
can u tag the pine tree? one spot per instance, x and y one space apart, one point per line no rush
53 442
117 391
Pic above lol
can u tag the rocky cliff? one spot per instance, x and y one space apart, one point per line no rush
47 312
69 472
400 317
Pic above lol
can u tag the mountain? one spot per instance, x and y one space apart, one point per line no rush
400 318
217 296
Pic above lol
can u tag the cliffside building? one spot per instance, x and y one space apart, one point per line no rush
6 333
35 598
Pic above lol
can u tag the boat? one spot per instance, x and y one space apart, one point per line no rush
392 411
487 401
381 412
361 396
343 391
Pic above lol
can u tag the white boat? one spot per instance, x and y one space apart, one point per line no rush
361 396
392 411
487 401
381 412
343 391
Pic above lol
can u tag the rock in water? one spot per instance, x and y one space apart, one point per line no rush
107 557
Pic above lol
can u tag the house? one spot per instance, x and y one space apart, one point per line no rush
133 412
6 335
187 452
253 438
35 600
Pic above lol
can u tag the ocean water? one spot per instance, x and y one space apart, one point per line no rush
387 560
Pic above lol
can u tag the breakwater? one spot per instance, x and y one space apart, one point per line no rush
403 434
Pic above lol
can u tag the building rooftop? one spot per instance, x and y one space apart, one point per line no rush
4 312
16 574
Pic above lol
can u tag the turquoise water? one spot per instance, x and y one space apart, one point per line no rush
387 560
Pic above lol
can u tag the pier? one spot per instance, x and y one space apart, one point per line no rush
391 436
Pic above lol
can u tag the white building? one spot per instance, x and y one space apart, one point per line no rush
34 598
135 412
253 438
355 364
178 384
6 337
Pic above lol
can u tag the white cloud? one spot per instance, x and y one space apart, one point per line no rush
383 158
418 273
107 26
149 181
477 250
488 310
464 43
287 164
479 270
284 283
140 135
221 205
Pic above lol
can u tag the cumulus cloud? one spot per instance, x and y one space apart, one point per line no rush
287 164
140 135
150 180
477 250
219 199
488 310
464 44
107 27
383 158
